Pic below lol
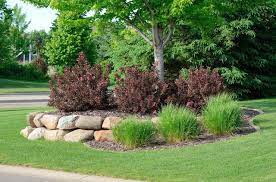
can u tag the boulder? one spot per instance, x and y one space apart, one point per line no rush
30 119
50 121
37 120
55 135
36 134
110 122
155 120
79 135
103 136
89 122
26 131
67 122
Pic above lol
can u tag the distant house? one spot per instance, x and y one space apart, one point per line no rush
26 58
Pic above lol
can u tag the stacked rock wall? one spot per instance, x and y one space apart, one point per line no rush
70 128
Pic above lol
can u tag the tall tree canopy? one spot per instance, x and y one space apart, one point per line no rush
5 24
18 33
153 20
71 35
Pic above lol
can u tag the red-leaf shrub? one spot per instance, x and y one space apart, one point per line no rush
140 91
40 65
80 88
200 85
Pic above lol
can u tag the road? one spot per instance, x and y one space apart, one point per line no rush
23 174
24 100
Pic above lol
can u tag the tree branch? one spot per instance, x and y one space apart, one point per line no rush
169 34
140 32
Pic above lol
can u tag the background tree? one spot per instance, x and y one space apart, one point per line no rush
71 36
38 39
18 33
5 23
242 47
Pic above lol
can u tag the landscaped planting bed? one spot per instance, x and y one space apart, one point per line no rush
140 112
94 129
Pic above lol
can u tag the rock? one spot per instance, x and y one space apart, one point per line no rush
37 120
89 122
36 134
110 122
55 135
30 119
103 136
67 122
79 135
26 131
50 121
155 120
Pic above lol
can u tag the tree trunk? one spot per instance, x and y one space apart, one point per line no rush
158 46
159 61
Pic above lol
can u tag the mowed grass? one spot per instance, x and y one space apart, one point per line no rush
246 158
16 86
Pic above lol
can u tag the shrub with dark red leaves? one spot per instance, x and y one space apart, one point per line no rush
140 91
40 65
200 85
80 87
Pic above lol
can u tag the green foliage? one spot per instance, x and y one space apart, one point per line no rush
5 24
14 70
38 40
134 133
177 124
124 49
242 46
222 114
19 39
71 36
237 37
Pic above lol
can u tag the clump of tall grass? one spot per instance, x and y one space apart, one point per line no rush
222 114
134 133
177 124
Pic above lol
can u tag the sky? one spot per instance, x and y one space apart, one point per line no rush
41 18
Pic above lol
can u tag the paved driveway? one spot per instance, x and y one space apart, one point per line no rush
23 100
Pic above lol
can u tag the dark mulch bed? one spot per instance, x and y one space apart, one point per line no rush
246 128
102 113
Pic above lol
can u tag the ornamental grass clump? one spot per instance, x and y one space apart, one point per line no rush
134 133
177 124
222 114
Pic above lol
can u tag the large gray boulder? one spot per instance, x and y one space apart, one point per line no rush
36 134
26 131
89 122
54 135
30 119
67 122
37 120
79 135
50 121
110 122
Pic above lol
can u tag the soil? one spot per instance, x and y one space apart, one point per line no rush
246 128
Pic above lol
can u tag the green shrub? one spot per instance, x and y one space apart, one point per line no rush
133 133
21 72
177 124
222 114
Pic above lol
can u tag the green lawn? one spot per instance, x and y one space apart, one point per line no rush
15 86
246 158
